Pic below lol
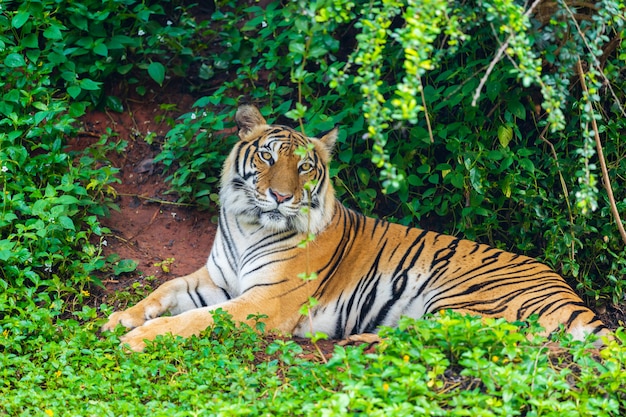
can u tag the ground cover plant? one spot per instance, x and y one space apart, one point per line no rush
512 162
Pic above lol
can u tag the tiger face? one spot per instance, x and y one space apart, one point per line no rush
276 177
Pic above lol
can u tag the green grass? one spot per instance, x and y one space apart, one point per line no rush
448 365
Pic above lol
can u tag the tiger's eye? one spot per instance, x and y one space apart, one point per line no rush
266 156
306 167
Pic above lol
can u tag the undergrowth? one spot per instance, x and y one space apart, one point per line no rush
445 365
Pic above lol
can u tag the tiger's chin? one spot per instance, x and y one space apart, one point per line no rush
274 220
278 222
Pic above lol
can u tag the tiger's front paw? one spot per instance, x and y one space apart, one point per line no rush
135 316
130 318
186 325
135 340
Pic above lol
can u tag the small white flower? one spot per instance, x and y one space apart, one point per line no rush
193 116
173 215
4 168
105 243
169 23
141 32
264 24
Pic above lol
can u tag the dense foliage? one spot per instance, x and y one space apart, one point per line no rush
475 119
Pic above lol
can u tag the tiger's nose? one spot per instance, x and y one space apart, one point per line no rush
280 198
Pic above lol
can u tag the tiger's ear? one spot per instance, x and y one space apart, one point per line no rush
248 117
330 138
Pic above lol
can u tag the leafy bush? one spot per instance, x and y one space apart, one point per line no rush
48 213
55 58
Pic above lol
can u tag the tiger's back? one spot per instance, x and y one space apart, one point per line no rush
397 271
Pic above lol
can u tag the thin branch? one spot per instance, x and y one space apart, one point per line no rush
492 64
596 63
563 186
430 130
498 57
605 172
157 200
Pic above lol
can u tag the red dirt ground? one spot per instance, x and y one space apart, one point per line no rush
150 226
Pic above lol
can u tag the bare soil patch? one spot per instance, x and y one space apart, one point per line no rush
150 227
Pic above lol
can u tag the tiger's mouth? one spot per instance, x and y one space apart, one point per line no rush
274 214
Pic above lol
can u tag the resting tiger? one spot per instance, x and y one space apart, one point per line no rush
369 272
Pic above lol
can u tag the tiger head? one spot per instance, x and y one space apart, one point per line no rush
276 177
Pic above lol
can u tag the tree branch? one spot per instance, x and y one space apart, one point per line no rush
605 172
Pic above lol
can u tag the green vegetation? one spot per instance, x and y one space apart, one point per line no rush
473 119
448 365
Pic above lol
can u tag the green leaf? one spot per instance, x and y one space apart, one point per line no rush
79 21
115 104
101 49
123 266
66 223
40 116
30 41
124 69
74 91
505 134
77 108
56 58
14 60
476 180
296 48
66 199
517 109
87 84
364 175
19 19
156 70
53 33
456 179
346 155
415 181
527 165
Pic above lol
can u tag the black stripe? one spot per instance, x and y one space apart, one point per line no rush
268 284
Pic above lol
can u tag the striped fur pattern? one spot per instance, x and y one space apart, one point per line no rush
275 190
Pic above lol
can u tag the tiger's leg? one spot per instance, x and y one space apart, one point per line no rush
176 296
282 315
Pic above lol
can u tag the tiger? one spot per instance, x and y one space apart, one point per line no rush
279 218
